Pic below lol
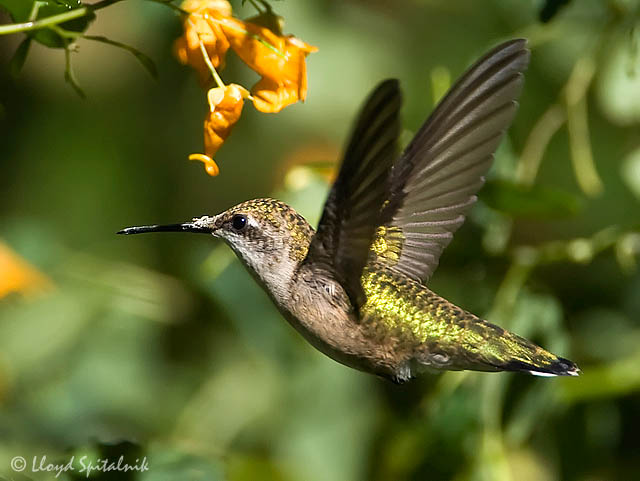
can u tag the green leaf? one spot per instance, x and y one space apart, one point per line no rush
52 39
18 9
144 59
535 202
19 57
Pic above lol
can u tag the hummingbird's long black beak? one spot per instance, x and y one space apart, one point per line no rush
198 228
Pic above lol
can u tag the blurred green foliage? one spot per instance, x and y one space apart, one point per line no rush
163 347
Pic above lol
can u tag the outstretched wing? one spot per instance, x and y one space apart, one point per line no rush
435 180
352 209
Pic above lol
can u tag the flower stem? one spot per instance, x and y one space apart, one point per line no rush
207 60
212 69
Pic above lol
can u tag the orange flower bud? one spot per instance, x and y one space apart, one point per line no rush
279 59
225 108
201 26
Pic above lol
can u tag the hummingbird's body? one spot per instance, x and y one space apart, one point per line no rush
356 288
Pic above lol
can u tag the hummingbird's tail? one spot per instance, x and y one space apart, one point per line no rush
510 352
558 367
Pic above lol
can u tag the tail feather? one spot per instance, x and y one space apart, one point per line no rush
559 367
503 350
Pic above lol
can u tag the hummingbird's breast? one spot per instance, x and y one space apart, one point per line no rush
320 309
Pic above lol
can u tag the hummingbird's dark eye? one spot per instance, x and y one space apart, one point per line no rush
238 222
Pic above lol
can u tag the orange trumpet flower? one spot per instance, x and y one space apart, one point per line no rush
279 59
209 31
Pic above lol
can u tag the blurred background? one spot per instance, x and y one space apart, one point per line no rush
163 346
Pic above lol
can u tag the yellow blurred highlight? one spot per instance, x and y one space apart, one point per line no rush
319 158
440 82
16 275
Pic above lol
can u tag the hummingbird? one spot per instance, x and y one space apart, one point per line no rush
357 287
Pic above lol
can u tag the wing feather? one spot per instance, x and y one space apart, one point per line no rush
352 210
404 214
435 180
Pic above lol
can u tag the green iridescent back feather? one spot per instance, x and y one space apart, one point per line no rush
442 334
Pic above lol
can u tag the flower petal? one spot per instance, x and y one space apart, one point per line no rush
202 27
279 59
271 98
225 108
210 165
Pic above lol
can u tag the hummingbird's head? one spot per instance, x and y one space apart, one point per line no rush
264 231
268 236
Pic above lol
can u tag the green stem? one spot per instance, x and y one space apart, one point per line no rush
175 8
142 58
65 33
266 5
34 11
207 60
103 4
537 142
212 69
45 22
578 126
54 19
69 76
255 5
